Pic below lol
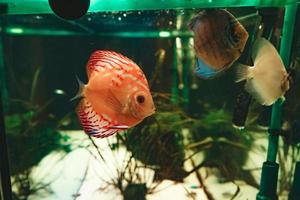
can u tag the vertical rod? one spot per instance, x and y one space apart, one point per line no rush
287 33
3 88
5 184
275 125
285 52
269 175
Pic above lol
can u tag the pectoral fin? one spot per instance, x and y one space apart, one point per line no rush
242 72
114 102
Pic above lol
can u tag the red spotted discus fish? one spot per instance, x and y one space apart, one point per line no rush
116 97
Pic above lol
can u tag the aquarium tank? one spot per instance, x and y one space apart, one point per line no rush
206 136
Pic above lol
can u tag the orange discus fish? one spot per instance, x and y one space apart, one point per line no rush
116 97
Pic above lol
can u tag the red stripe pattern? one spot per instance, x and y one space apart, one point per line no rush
120 68
94 124
117 64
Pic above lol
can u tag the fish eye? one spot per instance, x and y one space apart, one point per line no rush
235 37
140 99
232 35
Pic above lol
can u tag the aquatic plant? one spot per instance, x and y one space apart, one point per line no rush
158 141
228 147
171 138
32 133
132 178
38 139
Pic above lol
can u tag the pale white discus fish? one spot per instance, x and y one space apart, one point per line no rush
267 80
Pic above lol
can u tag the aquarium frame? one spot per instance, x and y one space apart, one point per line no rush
42 6
267 189
5 184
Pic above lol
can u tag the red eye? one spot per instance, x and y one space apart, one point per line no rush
140 99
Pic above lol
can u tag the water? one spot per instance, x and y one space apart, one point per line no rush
188 150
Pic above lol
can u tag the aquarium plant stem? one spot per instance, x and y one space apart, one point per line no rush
174 98
185 74
269 175
97 148
200 179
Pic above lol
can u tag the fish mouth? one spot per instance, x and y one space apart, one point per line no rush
142 116
149 114
152 112
226 66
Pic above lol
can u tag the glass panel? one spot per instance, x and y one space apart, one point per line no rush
189 149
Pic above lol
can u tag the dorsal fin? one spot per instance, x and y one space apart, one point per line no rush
79 93
108 60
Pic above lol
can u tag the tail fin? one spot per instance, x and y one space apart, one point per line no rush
80 90
242 72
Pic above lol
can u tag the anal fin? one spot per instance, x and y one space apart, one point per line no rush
120 127
94 124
